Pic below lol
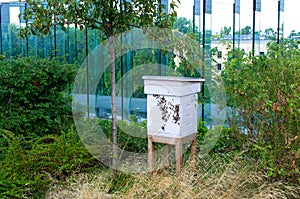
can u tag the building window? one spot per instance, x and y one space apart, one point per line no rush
219 54
219 66
261 53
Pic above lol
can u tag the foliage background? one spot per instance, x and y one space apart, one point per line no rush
263 94
34 96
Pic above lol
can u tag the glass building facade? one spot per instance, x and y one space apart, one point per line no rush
240 16
239 22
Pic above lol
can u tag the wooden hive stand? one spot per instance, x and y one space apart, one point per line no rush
178 142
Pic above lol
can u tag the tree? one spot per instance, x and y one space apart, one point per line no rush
109 17
183 25
293 34
225 31
270 34
246 30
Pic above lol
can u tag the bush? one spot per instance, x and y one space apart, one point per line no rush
28 168
34 97
220 140
263 92
132 136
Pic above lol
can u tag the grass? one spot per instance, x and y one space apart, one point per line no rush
214 177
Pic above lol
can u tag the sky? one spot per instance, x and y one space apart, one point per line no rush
222 14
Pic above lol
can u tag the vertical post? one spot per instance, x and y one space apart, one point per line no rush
20 26
122 70
9 37
1 49
203 58
26 38
68 43
54 35
158 51
194 17
75 37
44 46
158 55
87 73
253 27
44 39
278 22
239 35
122 81
233 31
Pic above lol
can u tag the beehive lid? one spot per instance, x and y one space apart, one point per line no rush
173 78
171 85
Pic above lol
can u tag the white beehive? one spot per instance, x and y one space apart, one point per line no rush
171 105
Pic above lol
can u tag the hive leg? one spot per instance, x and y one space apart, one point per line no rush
166 158
178 149
193 153
151 156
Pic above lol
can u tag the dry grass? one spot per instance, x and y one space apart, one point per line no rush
213 178
83 186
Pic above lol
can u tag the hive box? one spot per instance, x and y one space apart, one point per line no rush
171 105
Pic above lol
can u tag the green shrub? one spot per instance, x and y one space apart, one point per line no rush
225 140
34 97
263 92
28 168
132 136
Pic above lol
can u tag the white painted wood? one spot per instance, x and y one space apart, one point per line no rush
171 105
175 86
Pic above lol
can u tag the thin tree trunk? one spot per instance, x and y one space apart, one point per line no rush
113 104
